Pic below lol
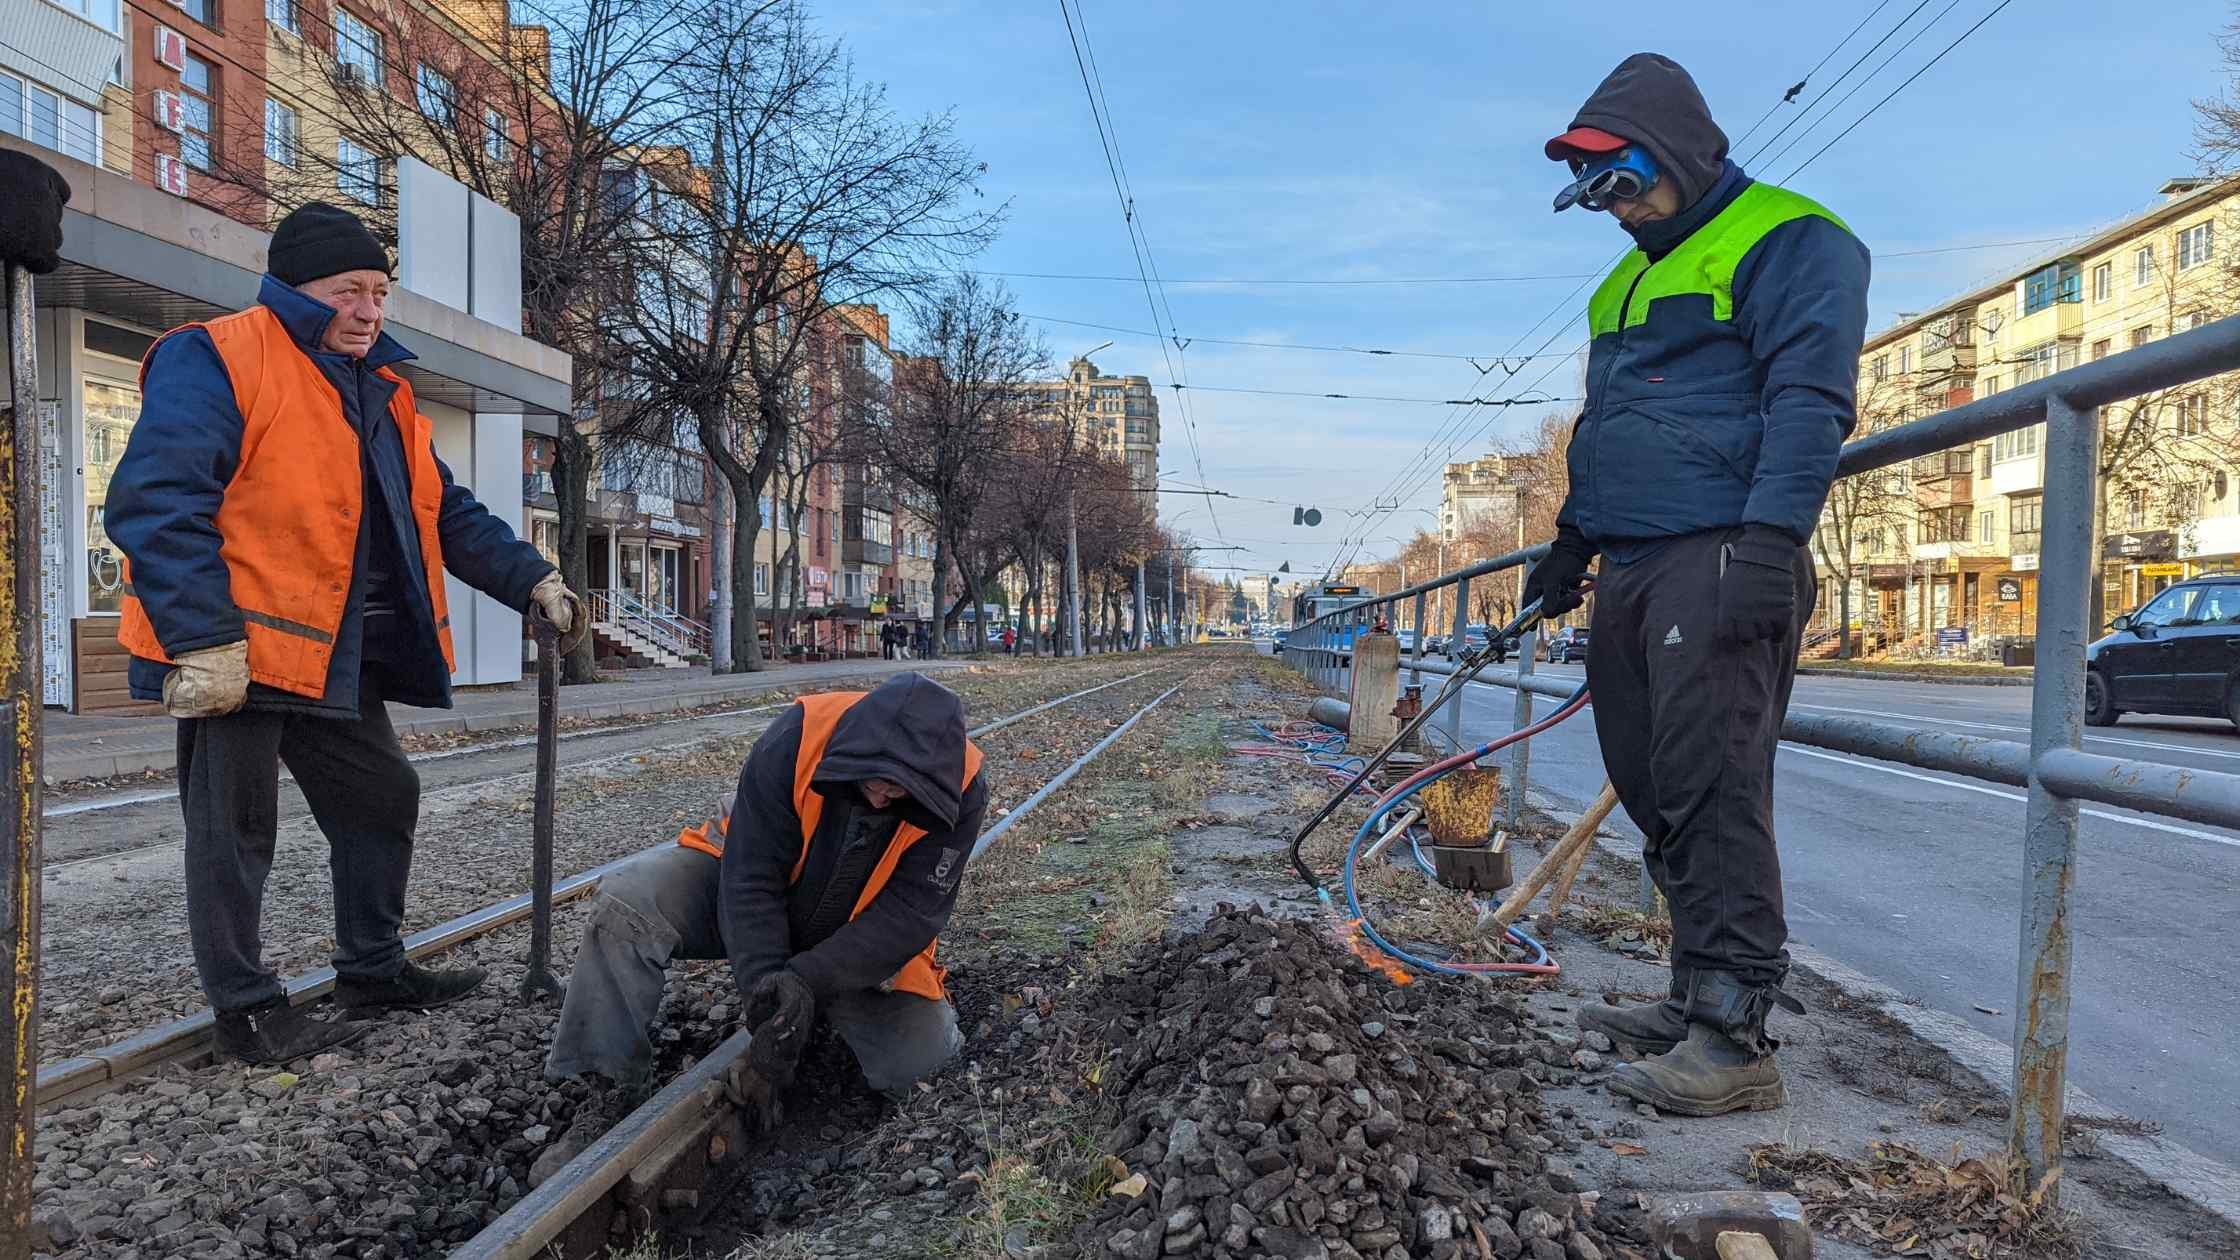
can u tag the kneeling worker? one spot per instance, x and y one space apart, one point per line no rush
826 886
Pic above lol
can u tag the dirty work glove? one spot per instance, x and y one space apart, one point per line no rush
552 597
779 1009
210 683
1556 580
1757 586
32 195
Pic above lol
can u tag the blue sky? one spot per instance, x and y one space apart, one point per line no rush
1379 141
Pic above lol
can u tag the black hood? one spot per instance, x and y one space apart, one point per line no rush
909 730
1651 101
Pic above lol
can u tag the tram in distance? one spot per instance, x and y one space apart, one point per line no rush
1323 598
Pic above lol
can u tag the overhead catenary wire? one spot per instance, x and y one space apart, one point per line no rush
1995 10
1775 155
1139 242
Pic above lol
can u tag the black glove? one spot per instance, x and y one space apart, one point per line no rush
32 194
1555 581
779 1009
1757 586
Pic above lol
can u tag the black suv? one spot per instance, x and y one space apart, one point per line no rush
2179 654
1567 645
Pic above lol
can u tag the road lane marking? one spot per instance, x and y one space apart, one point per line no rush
1994 726
2149 823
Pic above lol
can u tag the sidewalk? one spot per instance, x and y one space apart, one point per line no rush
83 747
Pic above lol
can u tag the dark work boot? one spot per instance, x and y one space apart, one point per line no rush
1649 1028
414 987
1726 1064
275 1033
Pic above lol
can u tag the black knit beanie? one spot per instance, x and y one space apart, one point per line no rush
317 240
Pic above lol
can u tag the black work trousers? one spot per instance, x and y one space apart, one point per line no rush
364 795
1688 727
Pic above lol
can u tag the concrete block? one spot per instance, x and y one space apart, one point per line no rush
1376 689
1688 1226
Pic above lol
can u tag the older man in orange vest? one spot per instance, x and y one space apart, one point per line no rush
826 885
286 526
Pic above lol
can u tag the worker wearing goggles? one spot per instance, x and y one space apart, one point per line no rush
1720 386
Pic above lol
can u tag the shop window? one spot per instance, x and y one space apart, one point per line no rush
111 409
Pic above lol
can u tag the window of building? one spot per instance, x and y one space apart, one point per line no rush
2044 359
2020 444
497 142
1905 359
2141 335
2142 267
2103 281
106 14
2196 244
2049 285
47 118
282 13
357 47
1881 367
2135 508
282 133
358 171
2193 415
2100 349
1989 387
196 119
2022 523
762 579
2198 319
1985 524
199 10
437 97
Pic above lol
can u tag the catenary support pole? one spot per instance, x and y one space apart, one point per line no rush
1073 581
21 694
1143 637
2049 837
1423 632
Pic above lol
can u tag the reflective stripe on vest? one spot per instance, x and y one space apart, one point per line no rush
1704 263
289 536
819 716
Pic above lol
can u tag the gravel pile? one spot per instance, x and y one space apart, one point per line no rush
1278 1099
403 1144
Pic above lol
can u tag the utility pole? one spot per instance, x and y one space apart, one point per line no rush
22 687
1073 580
1174 631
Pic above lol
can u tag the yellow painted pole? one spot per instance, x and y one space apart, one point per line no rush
20 696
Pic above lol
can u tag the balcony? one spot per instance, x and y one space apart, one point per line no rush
857 493
865 552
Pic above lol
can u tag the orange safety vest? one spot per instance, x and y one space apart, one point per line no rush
820 714
289 522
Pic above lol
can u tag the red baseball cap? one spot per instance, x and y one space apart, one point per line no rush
1584 140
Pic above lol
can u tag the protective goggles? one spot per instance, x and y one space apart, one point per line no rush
1622 176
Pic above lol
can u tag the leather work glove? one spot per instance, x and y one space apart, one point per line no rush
560 607
780 1009
210 683
1558 580
1757 586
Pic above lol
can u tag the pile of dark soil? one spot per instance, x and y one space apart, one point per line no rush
1279 1099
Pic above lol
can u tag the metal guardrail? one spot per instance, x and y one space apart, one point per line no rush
665 628
2052 765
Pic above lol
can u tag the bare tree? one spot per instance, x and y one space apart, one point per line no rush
958 402
796 189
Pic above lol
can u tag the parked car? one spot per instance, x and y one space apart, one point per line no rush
1567 644
2179 654
1436 645
1407 641
1474 639
1282 637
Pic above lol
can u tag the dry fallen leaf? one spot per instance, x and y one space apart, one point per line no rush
1628 1148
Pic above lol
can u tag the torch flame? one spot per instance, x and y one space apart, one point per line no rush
1355 939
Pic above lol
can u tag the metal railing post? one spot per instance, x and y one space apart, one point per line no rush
1520 753
1422 633
1454 653
2049 837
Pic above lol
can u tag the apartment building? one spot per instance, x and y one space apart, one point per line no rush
1119 416
1946 547
143 109
1475 491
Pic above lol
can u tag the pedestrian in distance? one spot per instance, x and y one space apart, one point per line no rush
825 883
1010 641
921 643
287 526
1720 387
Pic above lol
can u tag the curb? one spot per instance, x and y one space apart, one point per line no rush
2184 1172
1894 675
130 761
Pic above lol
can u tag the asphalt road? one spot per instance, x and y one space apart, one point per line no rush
1915 877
